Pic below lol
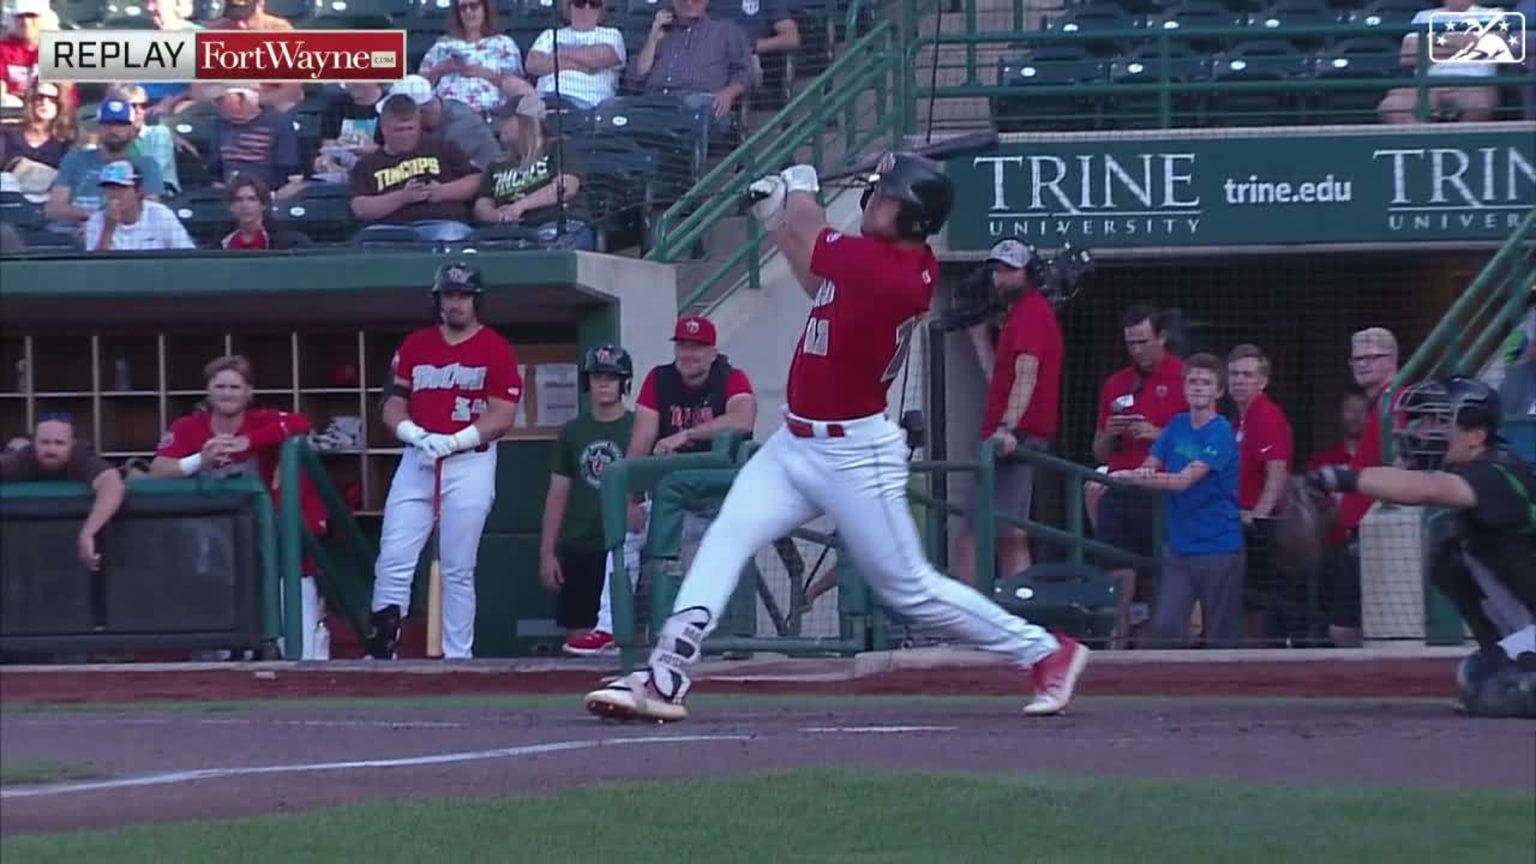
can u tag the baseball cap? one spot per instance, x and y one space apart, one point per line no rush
694 329
239 9
114 111
36 8
531 105
119 173
414 86
1377 339
1012 253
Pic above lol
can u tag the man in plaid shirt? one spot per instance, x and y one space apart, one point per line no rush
127 221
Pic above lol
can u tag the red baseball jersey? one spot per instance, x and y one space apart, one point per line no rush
1263 436
872 297
1352 505
447 385
1159 396
267 429
1031 329
1339 455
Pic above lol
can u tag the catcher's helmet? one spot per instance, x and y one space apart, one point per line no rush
1427 411
920 184
606 360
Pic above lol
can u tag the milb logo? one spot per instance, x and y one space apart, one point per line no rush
1485 36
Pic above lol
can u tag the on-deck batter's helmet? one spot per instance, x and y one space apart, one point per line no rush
457 276
606 360
1427 411
920 184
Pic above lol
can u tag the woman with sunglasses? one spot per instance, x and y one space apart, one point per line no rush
46 132
474 62
591 57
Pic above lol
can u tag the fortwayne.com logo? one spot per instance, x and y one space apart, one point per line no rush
1481 36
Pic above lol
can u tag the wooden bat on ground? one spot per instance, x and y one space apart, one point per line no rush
435 570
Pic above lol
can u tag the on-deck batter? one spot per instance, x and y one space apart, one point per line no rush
454 391
837 453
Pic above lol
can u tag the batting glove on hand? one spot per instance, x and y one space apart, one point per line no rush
1332 478
437 446
768 209
801 178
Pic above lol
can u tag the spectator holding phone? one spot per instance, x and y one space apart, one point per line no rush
473 62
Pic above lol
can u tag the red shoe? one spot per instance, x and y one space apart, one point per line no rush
1056 676
594 643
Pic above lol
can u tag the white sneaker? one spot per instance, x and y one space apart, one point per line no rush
633 698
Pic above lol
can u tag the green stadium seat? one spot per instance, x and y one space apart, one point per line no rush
1095 16
539 14
619 186
1050 65
363 8
1282 15
195 124
323 212
81 12
17 211
291 9
1146 65
1369 58
122 21
204 214
1388 12
1257 61
663 125
1200 15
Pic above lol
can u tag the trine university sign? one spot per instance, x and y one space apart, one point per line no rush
1176 188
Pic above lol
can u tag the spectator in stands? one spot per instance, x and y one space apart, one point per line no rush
250 202
77 190
175 15
127 222
1517 389
55 454
410 181
152 140
591 56
448 120
1467 100
1022 408
768 25
1135 404
45 133
252 15
533 185
474 62
249 138
1194 463
17 443
348 128
706 62
1373 359
18 49
1354 408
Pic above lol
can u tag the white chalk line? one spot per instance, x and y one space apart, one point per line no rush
55 722
175 777
875 730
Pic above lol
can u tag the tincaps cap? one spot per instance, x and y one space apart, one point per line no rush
1011 253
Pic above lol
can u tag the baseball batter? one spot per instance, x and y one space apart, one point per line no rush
455 388
837 453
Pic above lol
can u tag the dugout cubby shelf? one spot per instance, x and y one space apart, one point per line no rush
125 387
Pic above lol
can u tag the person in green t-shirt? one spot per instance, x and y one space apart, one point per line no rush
572 555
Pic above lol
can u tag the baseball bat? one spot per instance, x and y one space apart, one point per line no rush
939 151
435 570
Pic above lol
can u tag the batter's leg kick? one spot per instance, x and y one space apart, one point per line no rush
468 490
860 480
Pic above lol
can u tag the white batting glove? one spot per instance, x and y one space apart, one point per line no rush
768 210
801 178
437 446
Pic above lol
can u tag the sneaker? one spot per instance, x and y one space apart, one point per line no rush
383 641
1055 677
594 643
633 698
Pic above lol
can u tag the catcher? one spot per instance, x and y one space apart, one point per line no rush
1447 433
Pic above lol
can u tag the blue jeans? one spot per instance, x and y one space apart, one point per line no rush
426 231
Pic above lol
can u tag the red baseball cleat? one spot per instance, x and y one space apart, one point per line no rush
594 643
1056 676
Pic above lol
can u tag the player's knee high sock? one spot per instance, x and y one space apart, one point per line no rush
954 609
679 646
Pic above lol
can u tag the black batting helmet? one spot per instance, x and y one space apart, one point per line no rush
457 276
606 360
920 184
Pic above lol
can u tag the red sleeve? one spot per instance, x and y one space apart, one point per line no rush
1354 506
502 380
736 384
270 428
186 437
1028 337
400 367
1274 442
647 396
840 257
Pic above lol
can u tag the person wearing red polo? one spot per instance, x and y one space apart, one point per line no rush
1264 454
1135 404
1023 405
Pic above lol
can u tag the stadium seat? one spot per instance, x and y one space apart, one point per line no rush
619 186
1257 61
291 9
16 210
204 214
363 8
1050 65
1371 58
664 125
537 15
1146 65
123 21
81 12
44 240
323 211
196 125
1388 12
1201 15
1094 16
1282 15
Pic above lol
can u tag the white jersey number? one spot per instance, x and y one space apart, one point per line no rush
904 333
815 341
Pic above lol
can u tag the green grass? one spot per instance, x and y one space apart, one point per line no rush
844 816
28 773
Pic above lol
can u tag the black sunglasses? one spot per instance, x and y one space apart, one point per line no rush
587 4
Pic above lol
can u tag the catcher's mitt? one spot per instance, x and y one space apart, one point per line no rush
1298 535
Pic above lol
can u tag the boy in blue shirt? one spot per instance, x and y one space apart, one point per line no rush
1194 463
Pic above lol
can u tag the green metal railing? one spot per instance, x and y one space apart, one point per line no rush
857 96
1098 101
1469 333
294 541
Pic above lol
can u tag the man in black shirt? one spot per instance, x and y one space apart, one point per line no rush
1448 437
55 455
